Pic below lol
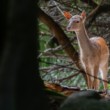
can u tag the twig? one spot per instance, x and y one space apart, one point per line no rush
67 66
71 76
97 78
58 48
50 50
73 69
63 13
94 11
58 8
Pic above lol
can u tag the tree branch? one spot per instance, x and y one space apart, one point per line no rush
98 10
61 37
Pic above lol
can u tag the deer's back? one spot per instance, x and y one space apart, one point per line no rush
100 43
101 48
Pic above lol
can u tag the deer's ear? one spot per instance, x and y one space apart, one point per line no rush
67 15
83 15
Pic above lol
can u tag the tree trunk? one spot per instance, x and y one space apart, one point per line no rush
20 84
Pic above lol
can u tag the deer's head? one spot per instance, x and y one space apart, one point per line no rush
76 21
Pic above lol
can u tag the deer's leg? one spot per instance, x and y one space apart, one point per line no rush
87 68
89 79
89 83
104 72
96 80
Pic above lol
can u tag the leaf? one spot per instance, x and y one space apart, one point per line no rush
67 15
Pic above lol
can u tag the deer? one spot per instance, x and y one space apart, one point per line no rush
94 52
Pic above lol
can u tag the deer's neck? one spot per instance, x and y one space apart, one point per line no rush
83 40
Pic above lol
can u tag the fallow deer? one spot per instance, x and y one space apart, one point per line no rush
94 52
